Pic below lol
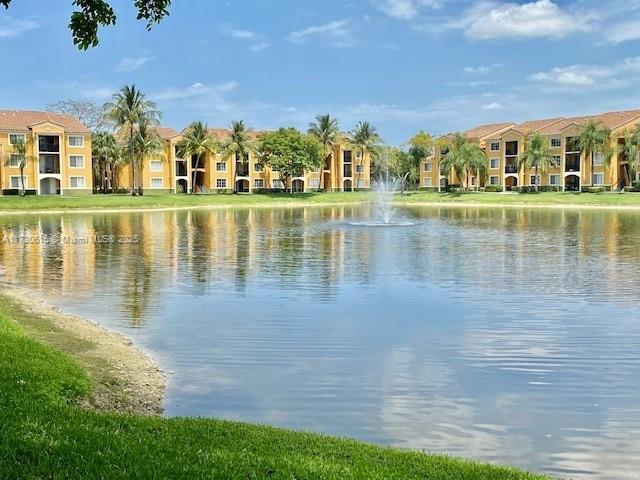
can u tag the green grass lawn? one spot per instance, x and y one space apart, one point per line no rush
44 434
8 203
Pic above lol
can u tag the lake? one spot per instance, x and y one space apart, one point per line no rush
503 335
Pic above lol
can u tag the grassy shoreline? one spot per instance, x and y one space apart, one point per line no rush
50 430
99 203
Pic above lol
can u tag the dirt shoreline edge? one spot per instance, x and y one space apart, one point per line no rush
124 378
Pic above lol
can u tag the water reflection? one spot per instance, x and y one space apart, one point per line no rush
500 334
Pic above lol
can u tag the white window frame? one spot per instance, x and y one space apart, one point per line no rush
152 162
598 160
428 166
11 156
555 164
428 182
81 137
277 184
492 178
258 183
359 169
80 156
554 139
153 179
23 135
84 183
314 183
491 145
497 160
221 183
257 167
534 180
223 166
595 175
557 182
360 183
19 184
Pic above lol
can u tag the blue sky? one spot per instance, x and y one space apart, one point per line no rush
404 65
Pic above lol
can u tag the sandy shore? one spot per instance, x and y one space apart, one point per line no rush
124 378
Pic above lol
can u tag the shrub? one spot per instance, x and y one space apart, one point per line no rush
636 185
493 188
428 189
594 189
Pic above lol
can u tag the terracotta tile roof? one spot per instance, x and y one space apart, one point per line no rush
18 120
483 131
221 133
536 125
166 133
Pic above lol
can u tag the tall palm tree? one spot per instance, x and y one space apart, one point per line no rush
365 139
146 143
325 130
465 157
197 142
105 152
21 150
630 150
595 139
127 109
237 147
537 154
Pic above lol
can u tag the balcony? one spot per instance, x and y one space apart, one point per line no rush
49 164
348 171
511 149
511 165
181 169
572 163
49 144
242 169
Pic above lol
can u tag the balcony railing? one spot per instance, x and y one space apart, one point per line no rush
181 169
348 171
242 169
510 169
47 167
572 166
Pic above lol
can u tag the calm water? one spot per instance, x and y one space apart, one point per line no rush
502 335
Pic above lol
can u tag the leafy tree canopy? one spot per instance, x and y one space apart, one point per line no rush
290 152
92 14
90 115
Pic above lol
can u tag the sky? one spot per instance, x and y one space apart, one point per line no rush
403 65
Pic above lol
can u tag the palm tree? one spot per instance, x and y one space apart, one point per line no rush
127 110
21 149
325 130
537 154
238 146
105 152
146 143
630 150
197 142
595 139
365 139
465 157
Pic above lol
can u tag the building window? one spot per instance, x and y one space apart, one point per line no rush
155 165
494 146
16 138
76 161
17 183
221 166
157 182
428 182
494 180
257 167
473 181
360 168
14 160
495 163
277 184
598 178
258 183
534 180
76 141
598 161
360 183
556 142
348 156
76 182
554 180
555 161
428 167
221 183
314 183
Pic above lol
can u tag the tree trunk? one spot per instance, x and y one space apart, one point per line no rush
233 173
536 174
22 181
324 161
195 175
133 163
593 164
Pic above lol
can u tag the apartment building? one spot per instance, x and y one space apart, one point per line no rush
344 170
58 154
570 169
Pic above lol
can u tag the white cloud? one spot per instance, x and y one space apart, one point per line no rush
490 19
260 46
242 34
336 32
196 90
406 9
131 64
481 69
12 27
616 75
623 32
492 106
473 83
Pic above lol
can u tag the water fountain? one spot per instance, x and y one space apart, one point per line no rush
384 191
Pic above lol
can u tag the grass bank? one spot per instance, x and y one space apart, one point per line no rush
47 431
13 204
